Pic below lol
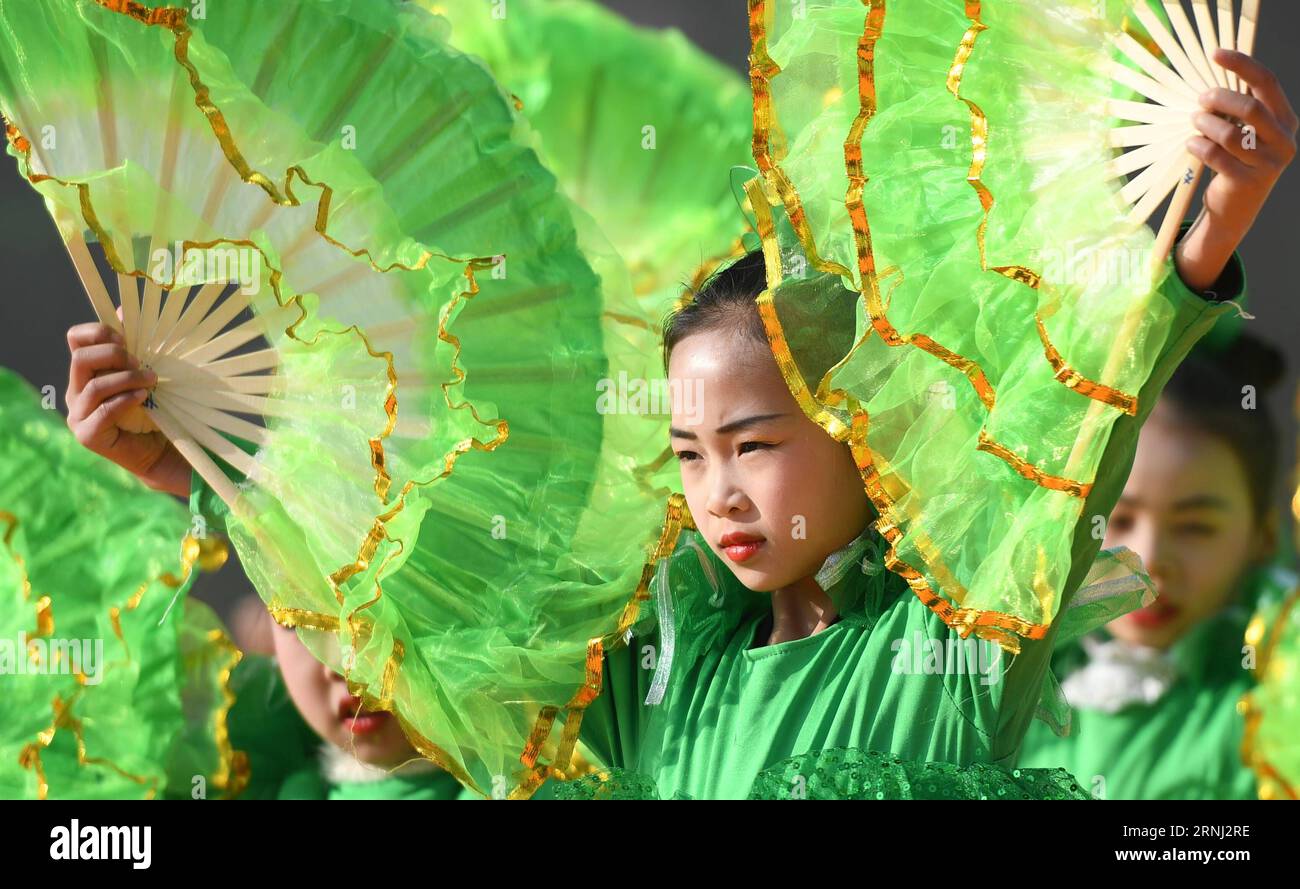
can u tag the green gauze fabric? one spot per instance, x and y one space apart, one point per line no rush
1271 746
111 685
430 495
640 126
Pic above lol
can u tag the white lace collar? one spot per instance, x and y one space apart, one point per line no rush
1119 674
340 766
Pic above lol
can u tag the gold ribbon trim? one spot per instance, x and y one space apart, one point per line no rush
979 129
1265 637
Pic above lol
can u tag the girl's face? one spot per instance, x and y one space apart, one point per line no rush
1186 511
772 493
322 698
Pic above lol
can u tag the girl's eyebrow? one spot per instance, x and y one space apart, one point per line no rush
733 426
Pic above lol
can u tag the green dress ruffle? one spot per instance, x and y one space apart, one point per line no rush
112 682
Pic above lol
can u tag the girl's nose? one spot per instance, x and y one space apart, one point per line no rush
1153 547
725 496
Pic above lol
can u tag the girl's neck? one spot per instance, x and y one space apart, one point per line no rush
800 610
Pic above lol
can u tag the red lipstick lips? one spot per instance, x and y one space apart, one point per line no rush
1157 614
358 720
740 547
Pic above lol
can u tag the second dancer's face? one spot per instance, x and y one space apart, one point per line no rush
770 491
322 697
1186 511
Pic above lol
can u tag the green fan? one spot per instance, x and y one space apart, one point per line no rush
640 126
642 130
394 399
1170 82
1272 708
956 167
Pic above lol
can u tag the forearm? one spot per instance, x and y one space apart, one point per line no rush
1203 254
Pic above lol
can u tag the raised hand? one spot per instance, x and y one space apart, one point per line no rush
104 384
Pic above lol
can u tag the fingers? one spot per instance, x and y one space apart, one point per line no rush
1247 109
104 387
92 334
1217 158
99 430
1263 83
1227 136
1265 138
91 360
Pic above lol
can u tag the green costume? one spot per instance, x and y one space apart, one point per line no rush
1153 725
438 785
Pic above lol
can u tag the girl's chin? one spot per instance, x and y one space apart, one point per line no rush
759 581
376 749
380 756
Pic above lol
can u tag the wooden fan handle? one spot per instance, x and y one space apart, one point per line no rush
1177 212
197 457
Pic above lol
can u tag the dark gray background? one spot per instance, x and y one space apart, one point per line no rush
43 298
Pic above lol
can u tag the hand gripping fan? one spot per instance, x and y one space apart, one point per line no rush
1170 80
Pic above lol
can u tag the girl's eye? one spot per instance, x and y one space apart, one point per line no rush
686 456
754 446
1197 530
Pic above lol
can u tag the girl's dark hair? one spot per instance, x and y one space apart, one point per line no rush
726 301
817 317
1207 392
